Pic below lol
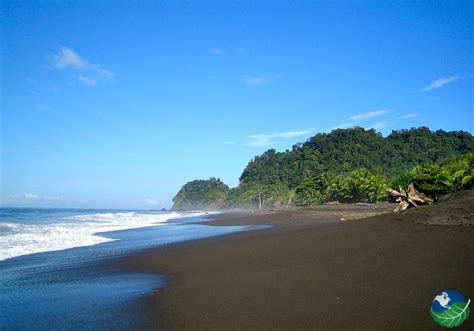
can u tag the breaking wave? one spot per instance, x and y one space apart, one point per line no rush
18 239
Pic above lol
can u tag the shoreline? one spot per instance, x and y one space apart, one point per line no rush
308 265
82 285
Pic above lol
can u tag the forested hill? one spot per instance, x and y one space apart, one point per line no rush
346 165
344 150
201 195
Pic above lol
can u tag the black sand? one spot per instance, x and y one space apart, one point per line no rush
312 271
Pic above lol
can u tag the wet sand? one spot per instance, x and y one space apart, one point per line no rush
313 271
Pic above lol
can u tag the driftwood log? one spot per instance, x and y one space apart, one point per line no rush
409 198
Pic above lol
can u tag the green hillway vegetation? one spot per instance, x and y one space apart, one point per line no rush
346 165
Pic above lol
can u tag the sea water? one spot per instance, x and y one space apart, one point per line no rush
55 271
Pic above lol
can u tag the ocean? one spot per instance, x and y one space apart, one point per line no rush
57 270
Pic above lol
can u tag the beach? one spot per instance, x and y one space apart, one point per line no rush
312 270
57 265
236 165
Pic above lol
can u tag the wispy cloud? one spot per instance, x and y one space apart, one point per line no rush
217 51
260 140
367 116
27 199
104 73
152 202
268 139
235 50
41 107
407 116
87 73
240 51
440 82
67 58
343 126
214 77
259 80
379 125
29 196
291 134
354 120
31 80
87 80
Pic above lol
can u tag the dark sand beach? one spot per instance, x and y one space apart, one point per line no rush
311 270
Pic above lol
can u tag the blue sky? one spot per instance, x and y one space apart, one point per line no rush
117 104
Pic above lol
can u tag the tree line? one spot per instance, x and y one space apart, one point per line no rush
345 165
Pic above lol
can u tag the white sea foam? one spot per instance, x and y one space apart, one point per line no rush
74 231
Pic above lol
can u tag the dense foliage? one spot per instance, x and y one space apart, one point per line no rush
359 185
201 195
344 150
352 165
440 178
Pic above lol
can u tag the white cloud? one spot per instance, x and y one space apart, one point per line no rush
104 73
407 116
261 140
89 74
355 119
28 195
239 51
366 116
87 80
290 134
67 58
343 126
258 80
440 82
151 202
27 199
41 107
265 139
217 51
378 125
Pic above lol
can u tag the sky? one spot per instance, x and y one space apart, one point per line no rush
118 104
